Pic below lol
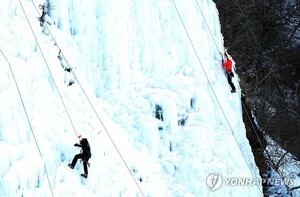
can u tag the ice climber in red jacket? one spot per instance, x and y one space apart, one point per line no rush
227 64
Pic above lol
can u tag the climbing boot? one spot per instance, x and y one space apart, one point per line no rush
84 175
70 165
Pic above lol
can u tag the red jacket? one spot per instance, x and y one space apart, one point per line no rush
227 65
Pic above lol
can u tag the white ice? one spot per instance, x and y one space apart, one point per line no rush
129 56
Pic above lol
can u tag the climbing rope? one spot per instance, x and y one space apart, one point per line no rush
245 110
214 93
257 136
241 102
43 56
208 27
84 92
29 123
271 162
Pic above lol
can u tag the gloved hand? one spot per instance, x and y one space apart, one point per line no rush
222 56
76 144
68 69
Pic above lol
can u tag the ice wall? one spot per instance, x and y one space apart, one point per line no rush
129 56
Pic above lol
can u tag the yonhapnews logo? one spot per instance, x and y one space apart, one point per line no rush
215 181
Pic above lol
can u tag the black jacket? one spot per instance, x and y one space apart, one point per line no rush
86 150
